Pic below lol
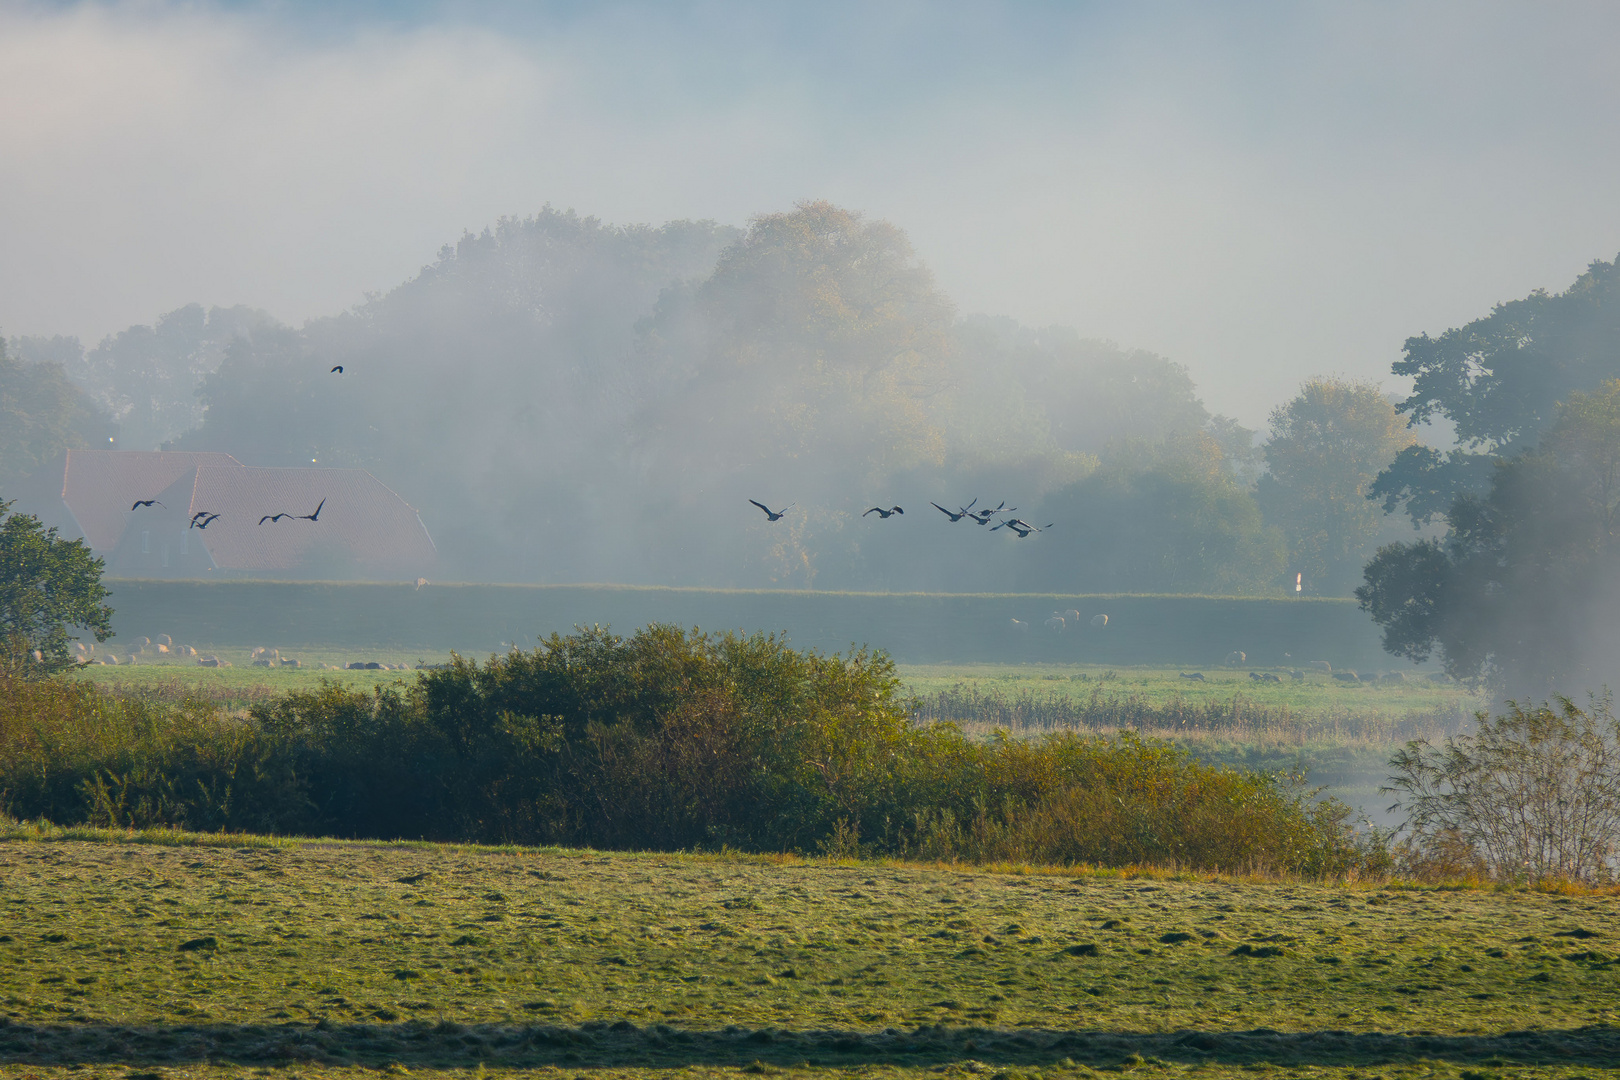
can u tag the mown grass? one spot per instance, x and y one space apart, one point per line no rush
320 958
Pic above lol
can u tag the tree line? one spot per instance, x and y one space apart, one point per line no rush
566 400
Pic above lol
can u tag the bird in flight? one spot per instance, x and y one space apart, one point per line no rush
983 517
312 517
145 502
772 515
272 517
878 510
1022 528
961 513
337 369
202 519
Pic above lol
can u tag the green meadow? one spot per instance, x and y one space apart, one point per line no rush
230 956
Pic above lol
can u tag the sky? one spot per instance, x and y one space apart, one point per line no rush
1262 192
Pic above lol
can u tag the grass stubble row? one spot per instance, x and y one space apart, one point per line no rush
324 959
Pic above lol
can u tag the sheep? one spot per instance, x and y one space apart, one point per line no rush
1099 621
1393 677
1236 658
1196 676
1072 617
1321 665
1346 676
1056 624
1020 626
1298 675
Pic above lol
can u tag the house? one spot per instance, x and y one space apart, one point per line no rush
88 493
363 529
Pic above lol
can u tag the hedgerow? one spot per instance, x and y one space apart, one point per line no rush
664 740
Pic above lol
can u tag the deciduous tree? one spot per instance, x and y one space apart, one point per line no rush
1327 445
48 587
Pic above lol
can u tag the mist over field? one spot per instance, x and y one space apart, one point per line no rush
597 276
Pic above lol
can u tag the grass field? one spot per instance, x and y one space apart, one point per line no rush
141 960
1316 694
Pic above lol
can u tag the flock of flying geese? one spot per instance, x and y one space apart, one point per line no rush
203 518
978 517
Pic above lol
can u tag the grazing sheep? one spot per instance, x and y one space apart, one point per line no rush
1020 626
1299 676
1236 658
1072 617
1346 676
1196 676
285 662
164 640
1323 666
1099 621
1056 624
1392 677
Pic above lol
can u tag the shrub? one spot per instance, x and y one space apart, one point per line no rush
665 740
1533 794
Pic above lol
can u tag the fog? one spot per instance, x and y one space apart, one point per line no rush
1258 192
599 276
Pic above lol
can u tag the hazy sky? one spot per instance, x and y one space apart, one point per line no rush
1261 191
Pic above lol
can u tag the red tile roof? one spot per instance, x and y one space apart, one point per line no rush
364 528
99 486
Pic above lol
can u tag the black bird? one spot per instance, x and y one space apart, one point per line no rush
206 519
773 515
145 502
312 517
962 513
878 510
337 369
272 517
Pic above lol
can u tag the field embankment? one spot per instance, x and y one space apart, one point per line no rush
911 627
349 957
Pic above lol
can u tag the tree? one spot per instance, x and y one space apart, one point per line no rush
47 586
1533 794
1518 592
1499 380
1327 445
1156 518
41 415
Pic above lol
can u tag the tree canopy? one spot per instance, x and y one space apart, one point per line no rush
1327 445
1519 592
41 415
48 587
1498 380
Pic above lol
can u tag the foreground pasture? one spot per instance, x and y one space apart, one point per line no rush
332 957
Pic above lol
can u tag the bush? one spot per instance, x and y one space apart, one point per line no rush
663 740
1533 794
